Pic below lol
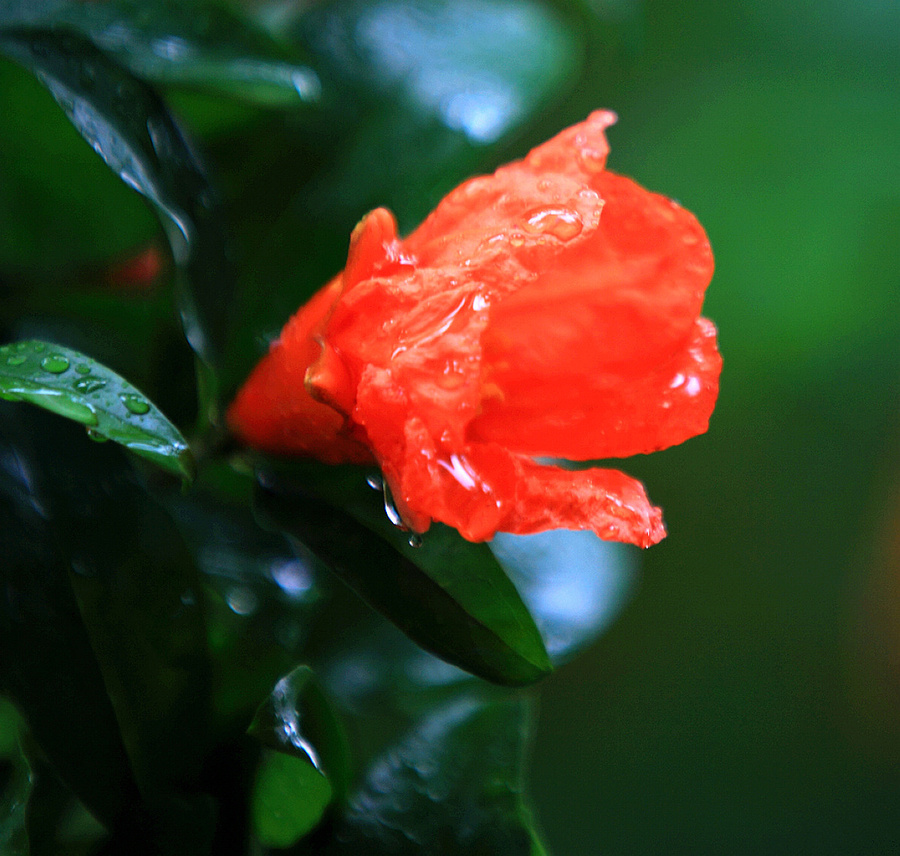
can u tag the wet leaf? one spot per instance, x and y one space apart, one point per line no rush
297 720
47 664
128 125
136 592
450 596
60 206
453 784
181 42
70 384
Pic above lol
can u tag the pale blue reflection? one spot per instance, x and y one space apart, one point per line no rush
573 583
475 64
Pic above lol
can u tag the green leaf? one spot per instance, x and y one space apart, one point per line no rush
136 591
309 765
259 601
60 207
184 43
47 664
13 807
453 784
128 125
288 801
297 720
66 382
450 596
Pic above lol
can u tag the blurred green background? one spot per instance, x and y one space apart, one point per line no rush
747 700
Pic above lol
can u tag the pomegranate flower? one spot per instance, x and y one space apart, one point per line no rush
550 310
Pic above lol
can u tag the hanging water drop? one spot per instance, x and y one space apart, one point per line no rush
135 403
96 436
415 539
390 509
375 482
55 364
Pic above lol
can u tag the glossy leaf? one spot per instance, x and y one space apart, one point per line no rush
452 785
573 583
198 44
128 125
47 665
70 384
450 596
297 720
137 591
60 206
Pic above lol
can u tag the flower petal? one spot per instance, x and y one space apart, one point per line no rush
274 411
612 413
484 489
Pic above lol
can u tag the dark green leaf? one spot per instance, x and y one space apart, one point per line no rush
450 596
289 799
138 592
573 583
13 806
128 125
75 386
451 785
309 767
259 599
297 720
182 42
60 207
47 664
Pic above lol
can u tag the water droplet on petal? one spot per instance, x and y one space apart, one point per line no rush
16 360
562 223
83 368
135 403
39 346
96 436
592 161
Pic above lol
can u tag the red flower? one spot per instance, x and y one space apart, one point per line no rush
549 310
